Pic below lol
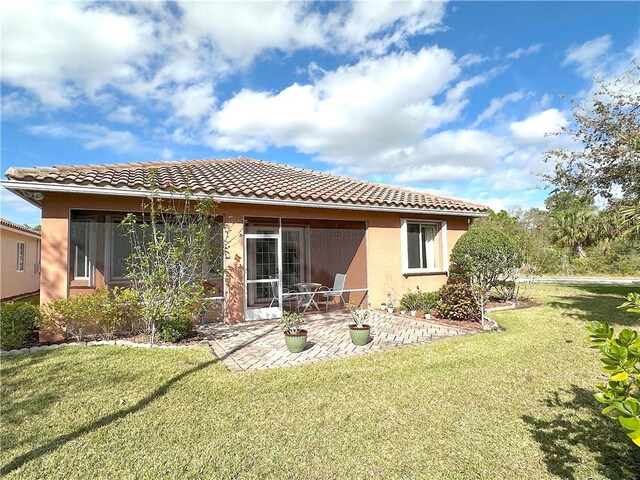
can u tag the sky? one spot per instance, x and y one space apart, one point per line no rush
459 99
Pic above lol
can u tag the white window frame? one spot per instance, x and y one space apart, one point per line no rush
20 256
441 232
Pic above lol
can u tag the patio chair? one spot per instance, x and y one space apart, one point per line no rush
330 294
288 296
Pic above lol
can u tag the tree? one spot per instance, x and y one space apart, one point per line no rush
176 246
573 229
485 257
606 127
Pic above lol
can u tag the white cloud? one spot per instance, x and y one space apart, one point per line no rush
167 154
346 113
588 57
536 128
523 52
158 52
496 105
59 51
193 102
91 136
17 105
125 114
448 155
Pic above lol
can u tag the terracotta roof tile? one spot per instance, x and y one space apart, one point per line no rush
16 226
242 177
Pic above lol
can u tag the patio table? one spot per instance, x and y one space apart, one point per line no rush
309 289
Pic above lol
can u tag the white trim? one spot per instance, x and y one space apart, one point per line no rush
17 185
441 226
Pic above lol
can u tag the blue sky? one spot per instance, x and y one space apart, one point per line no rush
454 98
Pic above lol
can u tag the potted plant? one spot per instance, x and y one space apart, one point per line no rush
389 303
359 331
294 336
383 306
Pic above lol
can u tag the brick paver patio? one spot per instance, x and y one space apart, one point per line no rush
260 344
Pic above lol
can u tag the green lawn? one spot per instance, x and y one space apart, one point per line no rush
512 405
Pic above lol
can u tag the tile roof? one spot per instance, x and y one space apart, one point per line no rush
16 226
242 178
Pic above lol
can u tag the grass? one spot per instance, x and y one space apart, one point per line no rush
512 405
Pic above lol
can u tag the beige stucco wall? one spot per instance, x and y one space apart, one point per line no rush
12 282
383 245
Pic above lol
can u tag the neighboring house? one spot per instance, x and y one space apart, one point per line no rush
286 225
20 251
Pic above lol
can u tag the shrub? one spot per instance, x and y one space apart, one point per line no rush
17 322
176 328
419 300
486 256
103 313
409 301
427 301
456 302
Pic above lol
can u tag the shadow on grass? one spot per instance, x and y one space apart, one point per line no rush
600 302
578 423
101 422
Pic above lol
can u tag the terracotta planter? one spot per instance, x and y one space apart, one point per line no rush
296 341
360 335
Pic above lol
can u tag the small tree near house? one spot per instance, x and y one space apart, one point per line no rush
485 256
176 246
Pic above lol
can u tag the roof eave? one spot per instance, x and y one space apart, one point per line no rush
19 186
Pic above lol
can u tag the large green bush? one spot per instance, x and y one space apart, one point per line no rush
488 253
485 257
17 321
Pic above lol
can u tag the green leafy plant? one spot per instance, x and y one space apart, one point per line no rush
621 393
484 257
409 301
104 313
291 322
633 303
358 315
456 302
176 245
177 328
17 322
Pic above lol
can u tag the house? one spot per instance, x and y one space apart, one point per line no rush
287 226
20 252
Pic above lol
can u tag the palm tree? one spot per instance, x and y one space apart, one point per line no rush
574 229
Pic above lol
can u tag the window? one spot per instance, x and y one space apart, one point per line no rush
422 247
20 257
80 242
